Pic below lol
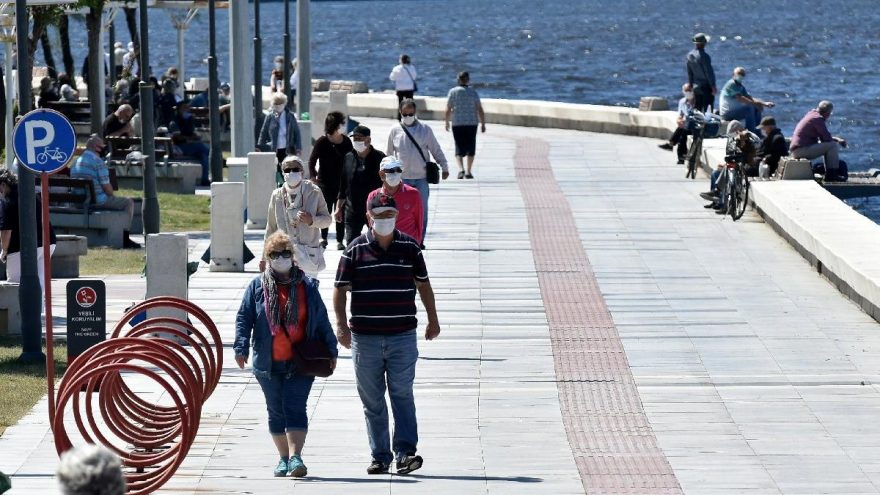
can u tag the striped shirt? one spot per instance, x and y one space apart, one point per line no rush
383 283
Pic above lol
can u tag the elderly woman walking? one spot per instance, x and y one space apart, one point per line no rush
298 208
282 313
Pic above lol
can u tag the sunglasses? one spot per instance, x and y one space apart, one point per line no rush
288 170
397 170
274 255
407 114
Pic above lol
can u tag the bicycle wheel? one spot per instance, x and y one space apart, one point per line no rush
62 157
742 196
693 156
731 193
41 158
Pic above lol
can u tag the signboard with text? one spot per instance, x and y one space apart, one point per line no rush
86 315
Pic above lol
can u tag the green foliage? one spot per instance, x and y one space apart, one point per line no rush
90 4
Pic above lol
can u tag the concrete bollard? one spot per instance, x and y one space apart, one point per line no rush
227 230
653 104
238 171
318 110
260 184
167 255
339 102
305 130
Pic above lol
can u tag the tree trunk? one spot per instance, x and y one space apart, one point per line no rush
47 54
64 34
39 25
96 64
132 23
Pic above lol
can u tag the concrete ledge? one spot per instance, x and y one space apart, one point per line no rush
10 310
102 228
838 241
65 259
179 178
531 113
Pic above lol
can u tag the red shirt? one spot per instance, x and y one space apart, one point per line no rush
410 215
283 342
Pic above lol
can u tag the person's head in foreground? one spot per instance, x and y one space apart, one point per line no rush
91 470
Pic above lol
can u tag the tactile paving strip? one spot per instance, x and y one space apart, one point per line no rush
612 441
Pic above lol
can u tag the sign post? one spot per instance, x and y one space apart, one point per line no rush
44 142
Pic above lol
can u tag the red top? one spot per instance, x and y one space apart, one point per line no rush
283 342
410 215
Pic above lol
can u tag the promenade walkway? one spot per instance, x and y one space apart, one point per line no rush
602 333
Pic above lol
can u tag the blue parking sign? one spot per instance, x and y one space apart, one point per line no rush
44 141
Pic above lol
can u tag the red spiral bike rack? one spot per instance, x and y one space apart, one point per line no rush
151 439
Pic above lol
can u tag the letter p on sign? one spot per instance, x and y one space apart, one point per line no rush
31 140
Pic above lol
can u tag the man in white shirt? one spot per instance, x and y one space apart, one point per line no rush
404 77
414 162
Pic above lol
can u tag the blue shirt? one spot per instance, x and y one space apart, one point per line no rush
463 101
91 166
728 100
699 69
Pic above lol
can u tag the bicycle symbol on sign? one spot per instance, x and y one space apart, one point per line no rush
54 154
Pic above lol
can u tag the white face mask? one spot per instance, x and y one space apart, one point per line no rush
293 178
408 120
689 95
278 108
392 179
281 265
359 146
384 226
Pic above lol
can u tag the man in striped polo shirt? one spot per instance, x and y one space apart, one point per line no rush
383 269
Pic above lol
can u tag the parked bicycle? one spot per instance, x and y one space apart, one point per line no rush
700 126
737 194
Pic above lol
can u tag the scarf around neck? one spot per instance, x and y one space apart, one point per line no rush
279 321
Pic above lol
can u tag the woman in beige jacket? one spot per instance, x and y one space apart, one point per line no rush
298 209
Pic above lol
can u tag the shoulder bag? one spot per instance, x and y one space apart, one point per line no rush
432 170
311 357
415 84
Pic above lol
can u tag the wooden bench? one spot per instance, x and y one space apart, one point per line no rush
78 112
72 210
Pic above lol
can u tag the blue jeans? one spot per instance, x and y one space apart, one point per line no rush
200 151
424 189
379 359
749 115
286 395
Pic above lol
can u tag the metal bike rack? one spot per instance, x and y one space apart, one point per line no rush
151 439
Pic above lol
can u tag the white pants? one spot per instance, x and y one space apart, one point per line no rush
13 268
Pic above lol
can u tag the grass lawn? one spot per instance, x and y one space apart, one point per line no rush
109 261
180 212
22 385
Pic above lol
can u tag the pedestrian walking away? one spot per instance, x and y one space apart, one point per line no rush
404 76
680 134
325 166
413 143
281 311
701 75
407 198
383 269
463 105
280 133
298 209
360 176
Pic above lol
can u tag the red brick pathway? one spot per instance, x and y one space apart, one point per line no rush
613 444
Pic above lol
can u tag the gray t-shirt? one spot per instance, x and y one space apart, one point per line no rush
463 101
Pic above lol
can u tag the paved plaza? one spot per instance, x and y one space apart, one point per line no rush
601 333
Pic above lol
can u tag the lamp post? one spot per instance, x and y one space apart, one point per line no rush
7 35
287 88
216 155
150 208
304 56
181 24
258 72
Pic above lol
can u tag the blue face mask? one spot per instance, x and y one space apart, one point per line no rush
186 115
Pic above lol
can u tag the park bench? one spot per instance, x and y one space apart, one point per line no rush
72 211
178 175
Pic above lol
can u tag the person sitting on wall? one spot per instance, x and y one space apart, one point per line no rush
680 134
773 147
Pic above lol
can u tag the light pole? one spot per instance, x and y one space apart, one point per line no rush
150 208
258 72
287 88
303 56
216 155
7 35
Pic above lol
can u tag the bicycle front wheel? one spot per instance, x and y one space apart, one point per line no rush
693 156
742 196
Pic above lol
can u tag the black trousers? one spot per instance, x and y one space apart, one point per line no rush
331 193
703 97
354 224
401 95
280 155
680 137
